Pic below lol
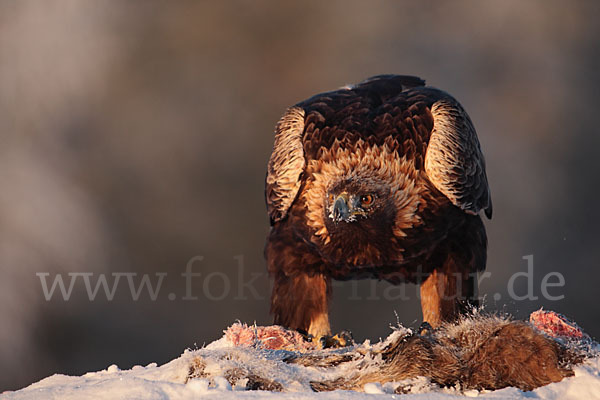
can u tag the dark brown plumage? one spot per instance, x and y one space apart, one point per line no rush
384 179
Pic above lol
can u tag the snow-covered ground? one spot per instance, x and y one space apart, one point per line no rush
169 381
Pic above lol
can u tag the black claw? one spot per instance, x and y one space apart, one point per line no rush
307 336
341 339
346 336
425 329
325 342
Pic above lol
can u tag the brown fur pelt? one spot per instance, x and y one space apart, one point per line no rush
481 352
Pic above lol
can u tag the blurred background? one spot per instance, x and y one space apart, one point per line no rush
134 137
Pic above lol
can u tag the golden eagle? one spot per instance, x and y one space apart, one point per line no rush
384 179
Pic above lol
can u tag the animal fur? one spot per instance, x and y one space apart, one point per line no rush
384 179
481 352
489 353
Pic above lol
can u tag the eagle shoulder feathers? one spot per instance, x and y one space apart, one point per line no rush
286 163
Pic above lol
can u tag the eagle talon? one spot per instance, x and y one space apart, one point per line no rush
341 339
306 336
425 329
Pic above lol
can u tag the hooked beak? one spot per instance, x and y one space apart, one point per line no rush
341 211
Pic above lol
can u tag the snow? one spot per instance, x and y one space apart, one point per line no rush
167 382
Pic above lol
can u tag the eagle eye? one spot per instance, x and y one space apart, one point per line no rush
366 200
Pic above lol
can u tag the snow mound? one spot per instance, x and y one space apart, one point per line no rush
246 358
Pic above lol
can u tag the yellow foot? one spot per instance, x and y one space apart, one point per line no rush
425 329
341 339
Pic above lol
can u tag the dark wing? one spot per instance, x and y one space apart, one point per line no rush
286 164
454 162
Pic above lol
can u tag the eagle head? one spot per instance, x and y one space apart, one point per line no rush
358 201
359 211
